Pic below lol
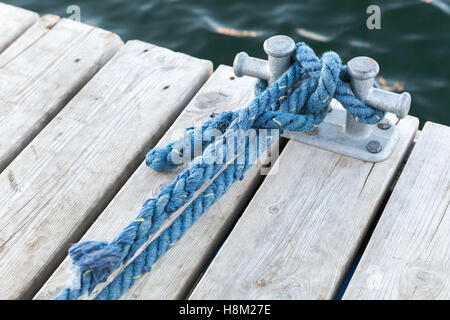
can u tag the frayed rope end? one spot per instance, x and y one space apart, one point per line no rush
95 259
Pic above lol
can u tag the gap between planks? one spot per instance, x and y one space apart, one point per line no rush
408 255
41 71
14 22
299 233
57 186
174 274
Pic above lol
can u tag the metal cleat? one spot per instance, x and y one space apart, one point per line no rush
339 132
279 50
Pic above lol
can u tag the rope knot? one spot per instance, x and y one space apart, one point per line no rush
297 101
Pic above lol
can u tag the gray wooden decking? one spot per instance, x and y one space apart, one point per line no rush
78 111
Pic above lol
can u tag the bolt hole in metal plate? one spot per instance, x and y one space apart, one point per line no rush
332 136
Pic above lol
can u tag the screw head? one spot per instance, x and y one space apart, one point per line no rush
385 125
363 68
374 146
313 132
279 46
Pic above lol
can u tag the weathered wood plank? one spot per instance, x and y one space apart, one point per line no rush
14 22
299 233
173 275
58 185
408 255
42 72
32 34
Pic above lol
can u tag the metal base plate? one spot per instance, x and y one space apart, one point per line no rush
332 136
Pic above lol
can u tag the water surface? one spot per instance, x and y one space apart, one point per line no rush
412 47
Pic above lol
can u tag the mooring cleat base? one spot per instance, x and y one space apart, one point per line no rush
376 146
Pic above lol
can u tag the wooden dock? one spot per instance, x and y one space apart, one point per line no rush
78 111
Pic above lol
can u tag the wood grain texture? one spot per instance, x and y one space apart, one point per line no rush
42 26
41 72
174 274
299 233
13 22
58 185
408 255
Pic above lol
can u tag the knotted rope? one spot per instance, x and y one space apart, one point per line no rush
297 101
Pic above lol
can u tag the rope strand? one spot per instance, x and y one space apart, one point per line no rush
297 101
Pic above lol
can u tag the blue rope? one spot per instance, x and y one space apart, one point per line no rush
297 101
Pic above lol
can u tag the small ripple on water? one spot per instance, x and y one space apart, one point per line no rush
441 5
412 47
313 35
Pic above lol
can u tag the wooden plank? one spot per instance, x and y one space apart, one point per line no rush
174 274
53 191
299 233
33 34
408 255
41 72
14 22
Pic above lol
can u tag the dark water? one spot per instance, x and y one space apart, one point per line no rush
412 47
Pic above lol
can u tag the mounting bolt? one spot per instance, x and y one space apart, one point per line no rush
384 125
313 132
374 146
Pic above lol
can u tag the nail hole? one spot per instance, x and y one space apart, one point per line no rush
232 78
77 60
166 87
274 209
146 50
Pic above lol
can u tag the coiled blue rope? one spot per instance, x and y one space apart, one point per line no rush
297 101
